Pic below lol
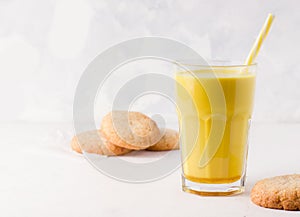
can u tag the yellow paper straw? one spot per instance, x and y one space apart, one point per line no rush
260 39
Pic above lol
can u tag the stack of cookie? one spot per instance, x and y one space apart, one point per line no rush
122 132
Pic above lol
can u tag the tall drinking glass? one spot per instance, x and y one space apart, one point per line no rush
215 105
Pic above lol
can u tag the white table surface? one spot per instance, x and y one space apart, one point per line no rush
42 176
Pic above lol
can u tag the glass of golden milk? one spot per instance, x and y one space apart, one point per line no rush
214 104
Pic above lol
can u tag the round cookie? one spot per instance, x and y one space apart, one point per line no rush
132 130
169 141
94 142
280 192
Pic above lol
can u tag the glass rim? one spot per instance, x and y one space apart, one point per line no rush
212 64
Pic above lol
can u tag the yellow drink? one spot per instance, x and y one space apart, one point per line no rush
224 97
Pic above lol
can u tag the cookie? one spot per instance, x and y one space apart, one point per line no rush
280 192
94 142
132 130
169 141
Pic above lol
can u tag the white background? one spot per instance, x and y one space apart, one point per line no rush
46 45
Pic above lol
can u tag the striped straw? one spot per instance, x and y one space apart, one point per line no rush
260 39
